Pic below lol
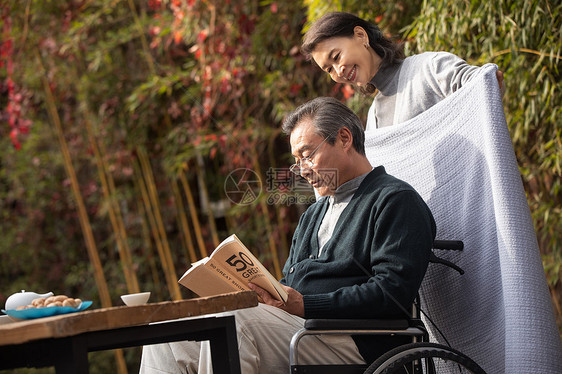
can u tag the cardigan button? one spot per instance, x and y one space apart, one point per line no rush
312 257
291 270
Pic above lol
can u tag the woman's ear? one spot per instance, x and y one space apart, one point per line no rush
361 34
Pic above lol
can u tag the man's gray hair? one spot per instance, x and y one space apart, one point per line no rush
328 115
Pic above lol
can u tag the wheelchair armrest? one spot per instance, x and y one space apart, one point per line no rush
356 324
394 327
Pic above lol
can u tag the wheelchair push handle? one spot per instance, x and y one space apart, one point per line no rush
454 245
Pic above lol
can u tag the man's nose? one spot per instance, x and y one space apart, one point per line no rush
305 172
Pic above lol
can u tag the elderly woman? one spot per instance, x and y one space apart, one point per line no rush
355 51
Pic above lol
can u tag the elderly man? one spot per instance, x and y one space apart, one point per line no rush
358 252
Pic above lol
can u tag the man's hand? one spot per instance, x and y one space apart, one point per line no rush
294 304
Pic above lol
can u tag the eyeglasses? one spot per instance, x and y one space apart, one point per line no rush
306 162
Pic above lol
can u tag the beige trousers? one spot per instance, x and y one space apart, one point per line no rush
264 334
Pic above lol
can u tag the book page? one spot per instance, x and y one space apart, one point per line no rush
202 280
234 258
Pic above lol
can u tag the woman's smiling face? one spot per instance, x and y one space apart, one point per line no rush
348 59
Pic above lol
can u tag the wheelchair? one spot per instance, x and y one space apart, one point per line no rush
419 356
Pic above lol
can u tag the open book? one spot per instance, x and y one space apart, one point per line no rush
230 268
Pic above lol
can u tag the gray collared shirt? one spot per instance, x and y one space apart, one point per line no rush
337 204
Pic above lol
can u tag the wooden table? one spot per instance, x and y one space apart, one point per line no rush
64 341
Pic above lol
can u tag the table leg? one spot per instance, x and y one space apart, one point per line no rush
72 356
224 344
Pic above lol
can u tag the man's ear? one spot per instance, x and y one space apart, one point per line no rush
346 138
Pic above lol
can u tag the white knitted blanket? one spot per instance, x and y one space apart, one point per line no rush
459 156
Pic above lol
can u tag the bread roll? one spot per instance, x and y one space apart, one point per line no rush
56 300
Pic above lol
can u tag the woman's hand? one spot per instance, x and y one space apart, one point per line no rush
499 76
294 304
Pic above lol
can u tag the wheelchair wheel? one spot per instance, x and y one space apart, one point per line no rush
423 358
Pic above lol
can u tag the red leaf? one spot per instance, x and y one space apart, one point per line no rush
347 91
202 36
225 85
154 30
154 4
295 88
222 140
177 37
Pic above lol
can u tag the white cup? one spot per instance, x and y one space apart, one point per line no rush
135 298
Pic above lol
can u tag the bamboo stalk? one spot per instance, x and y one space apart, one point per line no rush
526 50
184 226
267 220
193 213
154 226
123 234
166 255
146 238
120 223
230 224
114 215
205 198
144 42
184 239
280 221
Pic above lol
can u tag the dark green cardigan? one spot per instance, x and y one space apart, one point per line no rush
386 228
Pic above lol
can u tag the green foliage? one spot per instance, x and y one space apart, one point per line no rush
389 15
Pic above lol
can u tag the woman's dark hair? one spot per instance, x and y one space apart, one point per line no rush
337 24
